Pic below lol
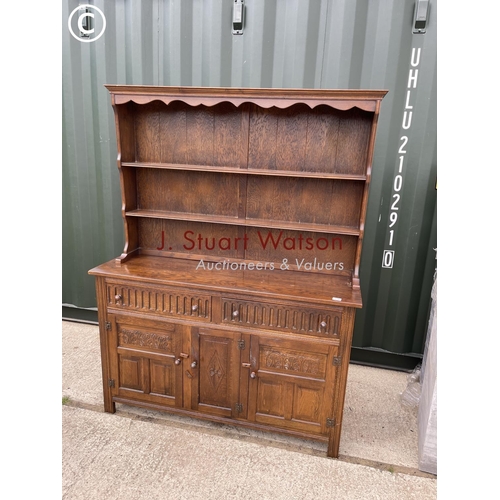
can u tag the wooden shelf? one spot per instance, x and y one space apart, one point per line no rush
235 170
265 223
302 226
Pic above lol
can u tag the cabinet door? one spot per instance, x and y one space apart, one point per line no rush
215 381
292 383
143 357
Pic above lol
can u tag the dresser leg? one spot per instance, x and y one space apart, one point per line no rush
109 406
333 444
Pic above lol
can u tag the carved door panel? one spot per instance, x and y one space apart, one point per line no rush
215 379
145 360
291 383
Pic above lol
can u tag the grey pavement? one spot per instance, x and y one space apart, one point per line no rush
138 454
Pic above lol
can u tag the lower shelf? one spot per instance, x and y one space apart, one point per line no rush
248 222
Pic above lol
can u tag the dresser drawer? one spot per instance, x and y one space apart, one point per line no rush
304 320
161 301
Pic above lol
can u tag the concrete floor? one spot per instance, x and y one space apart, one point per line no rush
140 454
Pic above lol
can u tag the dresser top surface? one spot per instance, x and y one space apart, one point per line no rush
324 289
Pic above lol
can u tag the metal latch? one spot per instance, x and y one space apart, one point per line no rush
421 16
238 13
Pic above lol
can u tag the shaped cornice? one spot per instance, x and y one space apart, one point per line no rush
342 100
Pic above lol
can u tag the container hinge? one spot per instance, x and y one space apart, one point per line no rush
241 344
108 325
238 407
111 382
337 361
330 422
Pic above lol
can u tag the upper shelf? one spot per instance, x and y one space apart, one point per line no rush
253 171
367 100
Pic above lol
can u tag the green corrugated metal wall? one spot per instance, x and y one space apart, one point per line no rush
286 43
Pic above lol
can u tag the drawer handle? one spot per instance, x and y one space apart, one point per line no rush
194 308
236 314
323 324
118 298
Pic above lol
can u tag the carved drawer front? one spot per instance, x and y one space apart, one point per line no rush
167 302
291 318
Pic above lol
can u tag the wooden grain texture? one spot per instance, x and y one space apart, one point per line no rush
353 140
340 383
303 250
187 192
291 138
106 348
147 132
125 133
173 134
244 213
192 240
319 201
364 204
322 140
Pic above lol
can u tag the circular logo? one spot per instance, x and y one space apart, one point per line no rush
86 23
